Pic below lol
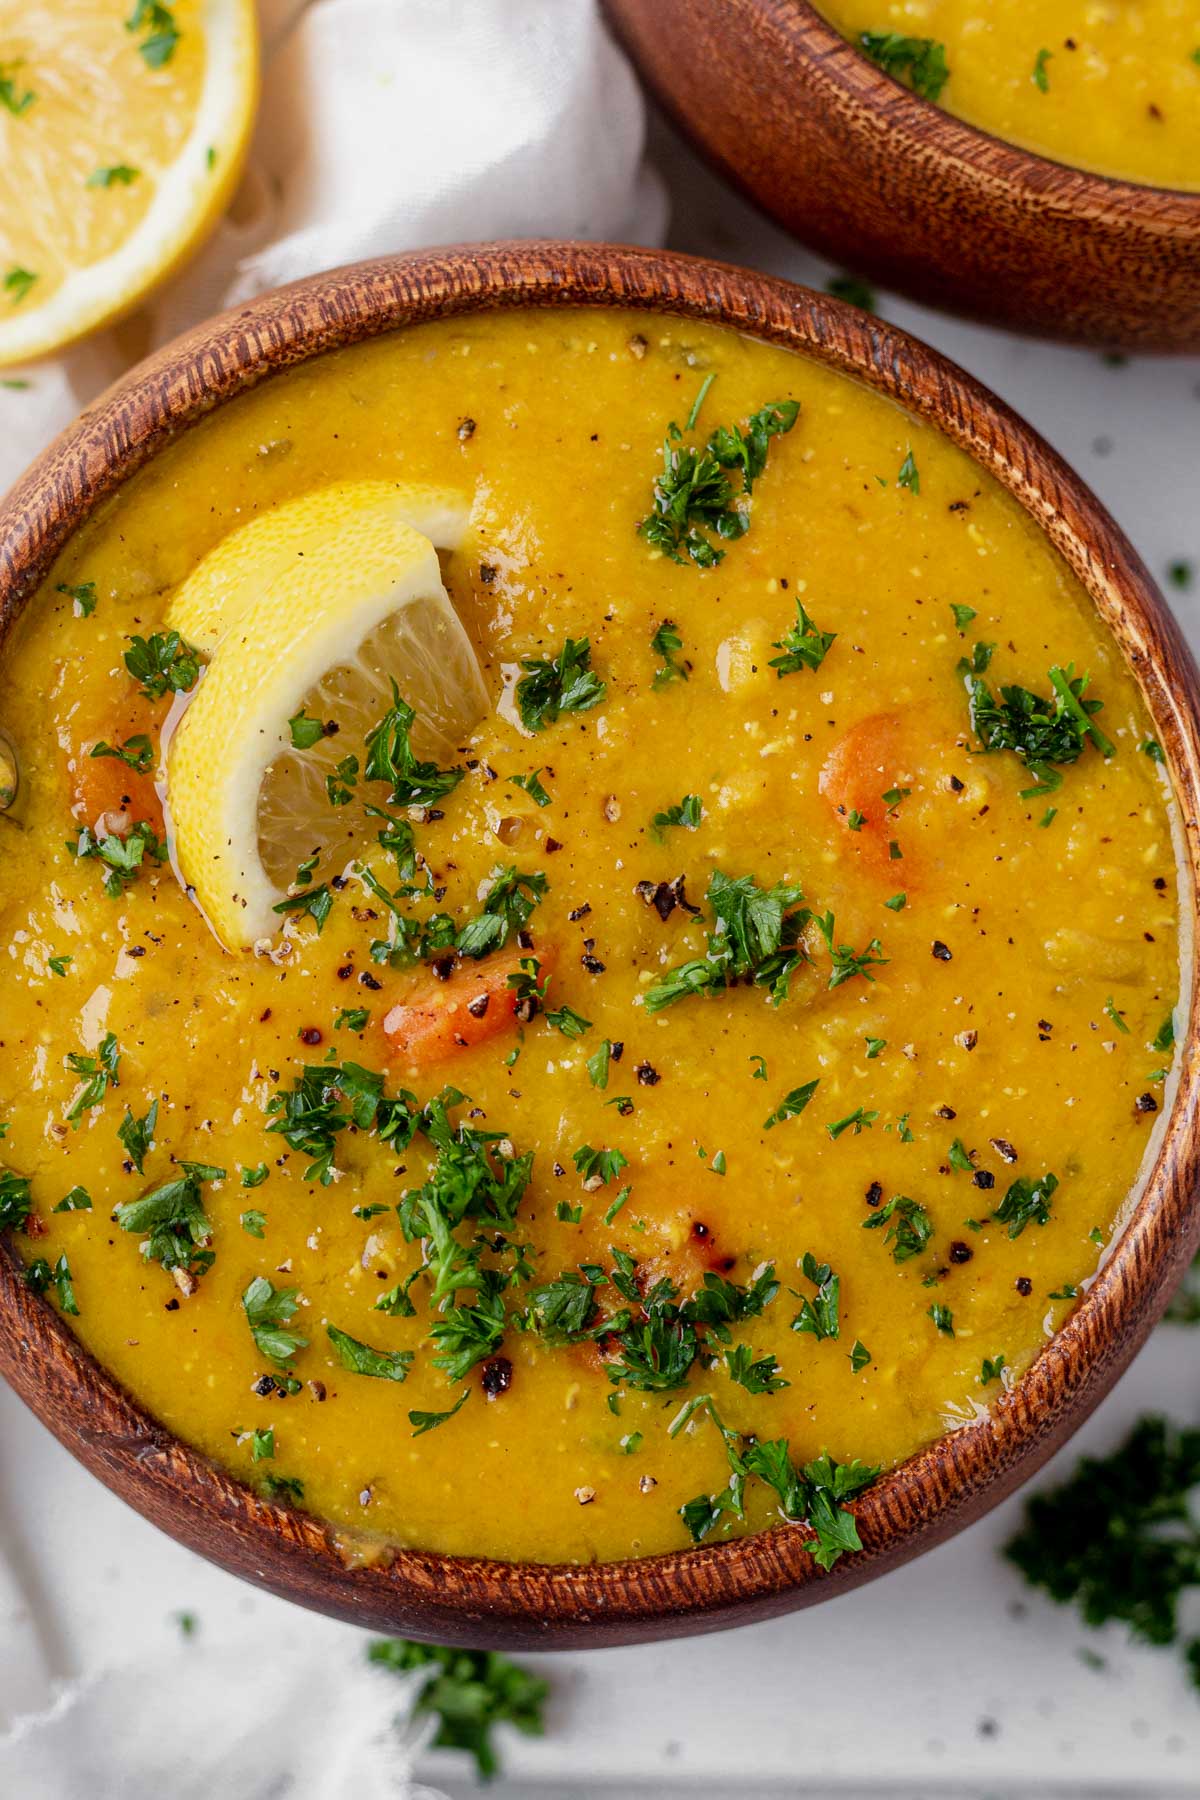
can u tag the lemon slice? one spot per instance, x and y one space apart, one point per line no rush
123 128
231 576
366 607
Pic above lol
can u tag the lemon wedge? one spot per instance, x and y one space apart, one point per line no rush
231 576
123 129
325 640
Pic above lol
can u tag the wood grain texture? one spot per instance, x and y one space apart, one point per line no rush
469 1601
891 186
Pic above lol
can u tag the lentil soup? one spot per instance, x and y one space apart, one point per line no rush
701 1080
1107 85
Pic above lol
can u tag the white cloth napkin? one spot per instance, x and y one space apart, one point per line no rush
385 125
389 125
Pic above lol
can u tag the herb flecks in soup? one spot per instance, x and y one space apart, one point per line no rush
1112 87
565 994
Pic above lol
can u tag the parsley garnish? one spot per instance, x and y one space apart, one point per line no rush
667 643
963 615
602 1166
120 857
468 1692
177 1231
943 1318
100 1072
819 1316
253 1222
17 283
115 175
792 1105
390 757
137 753
84 596
162 663
920 59
812 1493
11 97
158 22
531 785
1040 78
860 1356
858 1121
429 1421
39 1276
305 732
686 812
1119 1539
803 647
268 1311
1046 734
317 902
909 475
568 683
137 1135
694 497
847 963
568 1021
756 935
1027 1202
757 1377
77 1200
990 1370
310 1117
507 907
361 1359
15 1202
909 1227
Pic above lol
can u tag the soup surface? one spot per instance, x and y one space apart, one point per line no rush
841 936
1107 85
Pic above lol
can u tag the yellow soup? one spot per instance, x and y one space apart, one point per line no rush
1107 85
737 1048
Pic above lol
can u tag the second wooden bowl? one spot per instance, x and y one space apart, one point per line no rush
486 1603
892 187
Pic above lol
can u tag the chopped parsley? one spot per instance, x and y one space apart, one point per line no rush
115 175
317 902
121 858
77 1200
157 21
268 1311
39 1276
361 1359
792 1105
858 1121
756 935
943 1318
1027 1202
963 615
600 1165
694 499
325 1099
860 1356
909 1227
99 1072
429 1421
568 1021
847 962
15 97
137 753
818 1316
759 1376
1047 734
1040 77
305 732
507 908
667 643
1111 1009
15 1202
920 60
468 1692
84 597
805 646
17 283
1119 1540
173 1221
137 1135
991 1370
390 757
686 812
598 1065
253 1222
909 475
566 683
162 663
531 784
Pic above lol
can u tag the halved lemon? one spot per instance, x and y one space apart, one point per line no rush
326 640
123 129
272 543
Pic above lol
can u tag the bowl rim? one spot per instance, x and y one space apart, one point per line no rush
1043 179
481 1601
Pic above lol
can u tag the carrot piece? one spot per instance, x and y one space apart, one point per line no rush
105 790
440 1018
867 762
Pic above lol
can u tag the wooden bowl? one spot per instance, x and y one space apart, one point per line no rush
891 186
473 1601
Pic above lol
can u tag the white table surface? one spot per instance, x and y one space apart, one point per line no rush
945 1679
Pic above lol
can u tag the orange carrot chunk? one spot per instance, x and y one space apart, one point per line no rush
440 1018
107 793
